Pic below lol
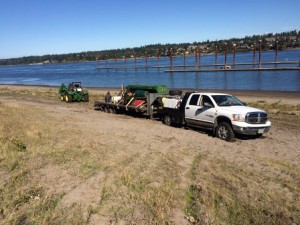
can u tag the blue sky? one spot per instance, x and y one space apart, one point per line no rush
39 27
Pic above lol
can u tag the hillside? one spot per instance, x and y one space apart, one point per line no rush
285 40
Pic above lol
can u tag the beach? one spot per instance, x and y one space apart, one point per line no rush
91 167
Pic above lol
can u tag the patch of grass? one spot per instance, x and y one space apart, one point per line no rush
220 196
280 113
26 141
89 169
143 196
46 210
276 107
21 146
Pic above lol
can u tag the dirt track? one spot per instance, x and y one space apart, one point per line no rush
150 149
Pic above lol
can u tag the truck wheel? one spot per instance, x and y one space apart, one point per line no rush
167 120
225 132
86 98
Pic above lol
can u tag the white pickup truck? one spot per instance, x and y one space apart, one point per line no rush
224 114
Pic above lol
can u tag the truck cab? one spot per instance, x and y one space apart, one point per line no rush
200 111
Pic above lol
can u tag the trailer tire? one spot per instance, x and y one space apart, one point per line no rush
224 132
106 109
113 111
175 92
167 120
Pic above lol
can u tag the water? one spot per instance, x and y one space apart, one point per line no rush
90 76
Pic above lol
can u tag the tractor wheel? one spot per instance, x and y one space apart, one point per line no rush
62 98
69 98
86 97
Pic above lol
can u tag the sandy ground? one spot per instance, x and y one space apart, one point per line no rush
141 138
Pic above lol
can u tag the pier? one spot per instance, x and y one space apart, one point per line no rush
197 66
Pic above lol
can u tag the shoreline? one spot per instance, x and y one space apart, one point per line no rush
244 93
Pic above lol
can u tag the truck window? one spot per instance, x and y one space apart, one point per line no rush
206 99
227 100
194 100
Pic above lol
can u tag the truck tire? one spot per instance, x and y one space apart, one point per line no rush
175 92
167 120
224 132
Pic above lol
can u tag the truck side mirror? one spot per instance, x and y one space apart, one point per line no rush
208 105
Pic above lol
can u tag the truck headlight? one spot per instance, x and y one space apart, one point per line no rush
238 117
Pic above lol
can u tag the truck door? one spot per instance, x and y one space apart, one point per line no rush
202 114
191 107
206 116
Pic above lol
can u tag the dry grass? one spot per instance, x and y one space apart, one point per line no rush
280 112
44 156
26 140
224 193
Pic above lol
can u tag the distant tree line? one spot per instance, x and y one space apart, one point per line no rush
282 41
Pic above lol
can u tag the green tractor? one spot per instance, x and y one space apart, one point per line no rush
73 93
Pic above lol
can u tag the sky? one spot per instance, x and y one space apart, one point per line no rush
40 27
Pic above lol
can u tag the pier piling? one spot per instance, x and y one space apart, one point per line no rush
254 52
216 55
276 54
225 63
171 60
234 50
259 58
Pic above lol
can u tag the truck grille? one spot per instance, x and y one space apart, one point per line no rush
256 118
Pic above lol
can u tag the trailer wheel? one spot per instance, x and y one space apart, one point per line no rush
106 109
113 110
225 132
167 120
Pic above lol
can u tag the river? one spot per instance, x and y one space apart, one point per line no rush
91 76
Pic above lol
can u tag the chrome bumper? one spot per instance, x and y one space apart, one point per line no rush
251 130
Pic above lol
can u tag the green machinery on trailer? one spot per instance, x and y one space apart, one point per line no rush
74 92
140 99
139 92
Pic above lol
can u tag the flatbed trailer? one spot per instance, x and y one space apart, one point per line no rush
148 108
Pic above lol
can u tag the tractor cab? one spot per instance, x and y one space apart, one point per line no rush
75 86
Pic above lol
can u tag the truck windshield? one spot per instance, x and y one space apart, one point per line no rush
226 100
